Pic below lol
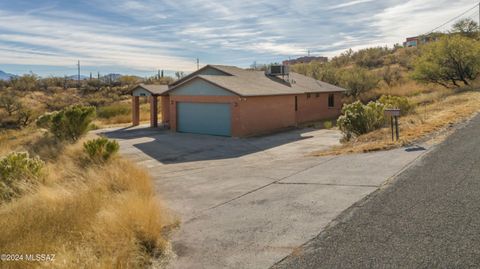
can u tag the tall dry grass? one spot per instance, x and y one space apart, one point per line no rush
88 215
434 112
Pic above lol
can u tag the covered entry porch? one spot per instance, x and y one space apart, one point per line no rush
152 93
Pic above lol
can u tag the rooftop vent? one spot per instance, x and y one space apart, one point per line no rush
277 70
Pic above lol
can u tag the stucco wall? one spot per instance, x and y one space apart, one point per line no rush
165 109
316 108
263 114
255 115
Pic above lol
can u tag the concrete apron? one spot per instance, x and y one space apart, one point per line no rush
251 210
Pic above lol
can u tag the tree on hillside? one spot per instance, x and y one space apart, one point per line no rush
9 102
466 27
26 82
450 61
357 80
371 57
391 75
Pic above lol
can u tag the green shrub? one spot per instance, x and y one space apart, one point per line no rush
18 171
72 123
45 121
107 112
357 118
402 103
101 149
357 81
327 124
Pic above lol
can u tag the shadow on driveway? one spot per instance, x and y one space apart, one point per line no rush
169 147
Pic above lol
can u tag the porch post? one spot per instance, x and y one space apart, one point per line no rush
153 111
135 110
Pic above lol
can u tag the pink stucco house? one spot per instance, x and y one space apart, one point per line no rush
230 101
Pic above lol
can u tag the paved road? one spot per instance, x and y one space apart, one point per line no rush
248 203
428 217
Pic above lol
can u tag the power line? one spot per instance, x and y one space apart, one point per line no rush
453 19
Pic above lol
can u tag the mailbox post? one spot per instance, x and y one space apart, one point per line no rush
393 113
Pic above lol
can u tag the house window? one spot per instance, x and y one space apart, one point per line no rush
308 95
296 104
331 100
317 95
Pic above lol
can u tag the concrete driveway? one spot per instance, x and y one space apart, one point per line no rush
248 203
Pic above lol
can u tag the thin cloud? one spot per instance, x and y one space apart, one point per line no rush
170 34
349 4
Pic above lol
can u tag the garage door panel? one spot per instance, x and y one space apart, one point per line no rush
204 118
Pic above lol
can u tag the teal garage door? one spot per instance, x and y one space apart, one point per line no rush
204 118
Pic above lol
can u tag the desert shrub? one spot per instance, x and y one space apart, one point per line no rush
59 100
72 122
371 57
107 112
17 171
400 102
391 75
101 149
26 82
357 118
357 80
45 120
9 102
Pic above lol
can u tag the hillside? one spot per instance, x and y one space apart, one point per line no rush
6 76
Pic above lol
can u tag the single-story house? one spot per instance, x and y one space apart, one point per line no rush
230 101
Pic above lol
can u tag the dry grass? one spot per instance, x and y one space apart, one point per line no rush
435 111
90 216
122 119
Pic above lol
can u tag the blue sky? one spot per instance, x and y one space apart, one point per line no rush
140 36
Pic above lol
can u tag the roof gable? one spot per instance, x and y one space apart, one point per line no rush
149 89
206 70
198 86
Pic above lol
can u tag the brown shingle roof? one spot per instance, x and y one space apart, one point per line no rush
255 83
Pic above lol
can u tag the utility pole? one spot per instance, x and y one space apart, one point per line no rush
198 64
78 77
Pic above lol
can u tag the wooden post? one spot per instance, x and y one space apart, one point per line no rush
153 111
396 127
391 124
135 110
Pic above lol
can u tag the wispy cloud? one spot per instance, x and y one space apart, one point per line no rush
350 3
144 35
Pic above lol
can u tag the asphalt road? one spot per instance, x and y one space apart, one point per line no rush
428 217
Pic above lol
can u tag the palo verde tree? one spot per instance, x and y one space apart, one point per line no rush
357 80
466 27
449 62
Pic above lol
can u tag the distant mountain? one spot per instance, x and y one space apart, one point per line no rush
6 76
75 77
